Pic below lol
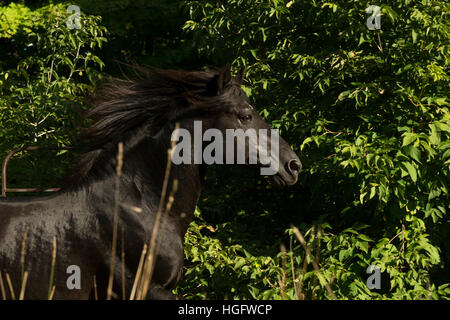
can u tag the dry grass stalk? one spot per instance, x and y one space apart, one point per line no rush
154 245
22 253
132 208
311 257
116 219
317 257
52 293
169 204
270 283
2 287
149 264
295 279
282 281
137 278
302 279
11 289
95 288
23 286
52 269
124 297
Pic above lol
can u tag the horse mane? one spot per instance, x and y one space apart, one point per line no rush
121 108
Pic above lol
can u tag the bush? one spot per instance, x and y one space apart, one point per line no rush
45 71
368 111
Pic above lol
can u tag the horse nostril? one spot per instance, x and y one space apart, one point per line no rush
294 166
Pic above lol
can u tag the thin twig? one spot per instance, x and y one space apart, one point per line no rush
137 278
270 283
52 269
430 296
294 280
154 245
123 265
50 73
2 287
24 285
403 239
302 279
394 237
379 42
95 288
52 293
11 289
22 253
169 204
76 58
116 219
132 208
317 260
282 280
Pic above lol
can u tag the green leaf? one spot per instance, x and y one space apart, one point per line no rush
435 137
413 152
411 170
414 35
344 253
364 237
408 138
373 191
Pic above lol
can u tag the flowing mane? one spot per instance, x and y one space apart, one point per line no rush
121 109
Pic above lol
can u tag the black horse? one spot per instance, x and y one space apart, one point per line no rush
142 114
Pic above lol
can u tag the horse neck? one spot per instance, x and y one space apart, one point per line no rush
144 172
141 181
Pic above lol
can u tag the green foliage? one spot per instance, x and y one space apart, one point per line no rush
217 270
45 71
144 31
369 112
225 272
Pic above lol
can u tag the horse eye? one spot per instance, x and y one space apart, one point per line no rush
245 118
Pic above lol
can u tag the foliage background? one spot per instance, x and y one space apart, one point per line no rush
366 110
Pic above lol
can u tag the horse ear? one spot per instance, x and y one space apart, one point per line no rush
240 75
222 79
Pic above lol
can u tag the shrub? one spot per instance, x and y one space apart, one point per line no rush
45 71
368 111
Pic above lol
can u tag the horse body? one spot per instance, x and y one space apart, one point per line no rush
80 217
46 217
